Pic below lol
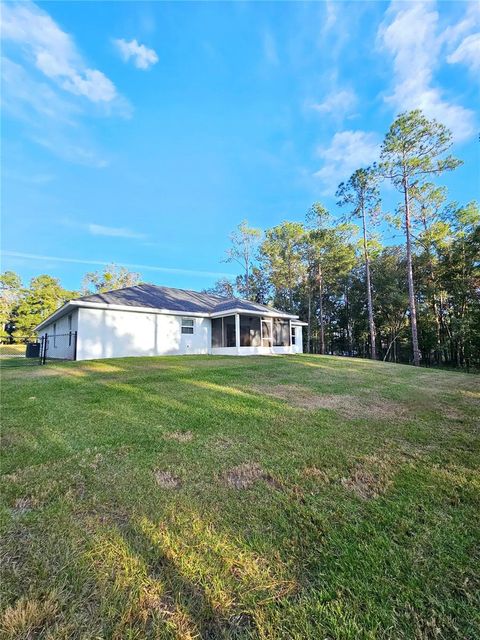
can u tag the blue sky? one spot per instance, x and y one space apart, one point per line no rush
142 133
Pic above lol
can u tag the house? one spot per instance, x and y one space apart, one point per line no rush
147 320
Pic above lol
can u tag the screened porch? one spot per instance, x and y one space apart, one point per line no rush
241 330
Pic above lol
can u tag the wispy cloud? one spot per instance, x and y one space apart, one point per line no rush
410 34
142 267
54 52
47 85
347 151
142 56
467 52
270 48
337 103
114 232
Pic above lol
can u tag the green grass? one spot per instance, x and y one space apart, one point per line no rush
200 497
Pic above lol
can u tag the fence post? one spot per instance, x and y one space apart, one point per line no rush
45 340
40 355
75 345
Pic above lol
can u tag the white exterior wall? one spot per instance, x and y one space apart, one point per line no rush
105 333
252 351
61 346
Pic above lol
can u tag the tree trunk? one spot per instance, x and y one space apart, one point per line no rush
322 324
347 313
309 328
371 322
411 288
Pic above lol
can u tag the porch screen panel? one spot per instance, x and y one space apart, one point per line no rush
217 332
281 333
229 331
250 331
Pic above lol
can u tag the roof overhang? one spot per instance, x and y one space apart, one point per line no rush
248 312
80 304
68 306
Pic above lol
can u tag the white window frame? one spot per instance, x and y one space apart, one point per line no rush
293 335
69 329
54 335
187 324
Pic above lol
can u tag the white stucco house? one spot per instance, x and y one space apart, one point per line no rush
147 320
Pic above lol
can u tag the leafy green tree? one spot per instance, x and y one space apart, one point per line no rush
222 287
44 296
258 286
329 255
460 275
281 258
244 242
110 278
10 293
411 152
362 194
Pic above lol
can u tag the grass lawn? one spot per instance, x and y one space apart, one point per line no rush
279 497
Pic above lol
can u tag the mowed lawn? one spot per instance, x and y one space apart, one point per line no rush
275 497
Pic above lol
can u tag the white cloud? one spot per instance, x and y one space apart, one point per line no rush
330 16
270 48
337 103
142 56
468 52
53 51
347 151
410 34
47 85
114 232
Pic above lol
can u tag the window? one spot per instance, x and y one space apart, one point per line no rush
250 331
70 330
281 333
55 334
224 332
187 325
294 335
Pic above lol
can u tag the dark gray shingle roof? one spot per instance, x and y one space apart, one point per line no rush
154 297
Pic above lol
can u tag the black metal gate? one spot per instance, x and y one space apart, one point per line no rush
58 346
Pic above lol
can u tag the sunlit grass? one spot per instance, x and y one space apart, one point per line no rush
199 497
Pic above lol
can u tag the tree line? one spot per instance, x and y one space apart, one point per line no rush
415 302
418 301
22 308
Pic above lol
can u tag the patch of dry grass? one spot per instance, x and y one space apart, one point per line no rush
370 477
349 406
29 616
179 436
166 479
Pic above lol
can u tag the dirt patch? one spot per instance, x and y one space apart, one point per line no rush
348 406
167 480
369 478
243 476
451 413
179 436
